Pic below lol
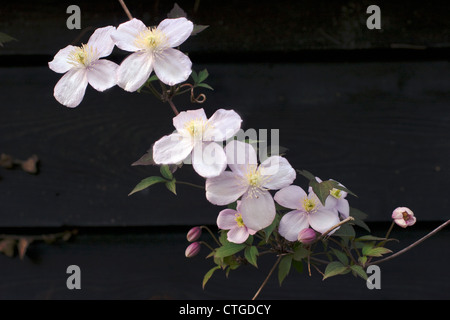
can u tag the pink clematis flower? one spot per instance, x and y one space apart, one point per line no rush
337 201
153 50
197 136
81 66
403 217
250 181
230 219
308 212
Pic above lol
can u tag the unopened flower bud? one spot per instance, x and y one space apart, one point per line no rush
403 217
194 234
192 250
307 236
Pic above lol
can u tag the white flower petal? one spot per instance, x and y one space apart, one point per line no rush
126 33
134 71
292 223
60 62
240 156
102 74
258 211
322 220
238 234
172 66
70 89
277 172
209 159
176 30
343 207
102 42
290 197
224 189
222 125
172 149
226 219
184 117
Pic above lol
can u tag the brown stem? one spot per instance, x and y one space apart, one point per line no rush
124 6
413 244
267 278
335 226
174 109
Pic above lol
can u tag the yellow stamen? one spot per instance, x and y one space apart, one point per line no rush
309 204
336 193
82 56
239 220
151 38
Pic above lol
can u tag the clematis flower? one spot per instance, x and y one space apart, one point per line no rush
197 136
230 219
337 200
153 50
81 66
307 236
403 217
308 212
250 181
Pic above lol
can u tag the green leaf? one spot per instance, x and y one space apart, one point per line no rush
251 253
194 76
341 187
176 12
308 175
362 260
145 160
172 186
198 28
229 249
202 75
322 189
359 271
284 267
345 230
232 205
300 253
165 172
204 85
370 238
298 265
375 251
268 230
342 257
147 182
208 276
359 216
334 268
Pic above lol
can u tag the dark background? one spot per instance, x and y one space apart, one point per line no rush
368 108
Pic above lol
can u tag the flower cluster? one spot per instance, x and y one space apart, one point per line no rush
263 210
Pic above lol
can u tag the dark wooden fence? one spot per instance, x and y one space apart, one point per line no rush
369 108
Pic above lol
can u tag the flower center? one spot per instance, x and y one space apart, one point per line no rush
309 205
406 216
336 193
195 127
83 55
151 38
239 220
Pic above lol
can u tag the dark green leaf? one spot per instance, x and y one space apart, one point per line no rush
268 230
298 265
194 76
202 75
369 238
165 172
308 175
300 253
342 257
322 189
359 271
208 275
172 186
251 254
334 268
345 230
284 268
147 182
145 160
229 249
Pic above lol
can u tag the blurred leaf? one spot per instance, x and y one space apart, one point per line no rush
251 254
176 12
369 238
284 268
147 182
7 247
362 260
198 28
204 85
4 38
208 276
334 268
145 160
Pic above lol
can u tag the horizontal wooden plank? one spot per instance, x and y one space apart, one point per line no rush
382 129
239 26
142 266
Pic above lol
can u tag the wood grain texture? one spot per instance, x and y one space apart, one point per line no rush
239 26
382 129
141 266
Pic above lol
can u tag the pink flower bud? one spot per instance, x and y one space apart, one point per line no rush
192 250
194 234
403 217
307 236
